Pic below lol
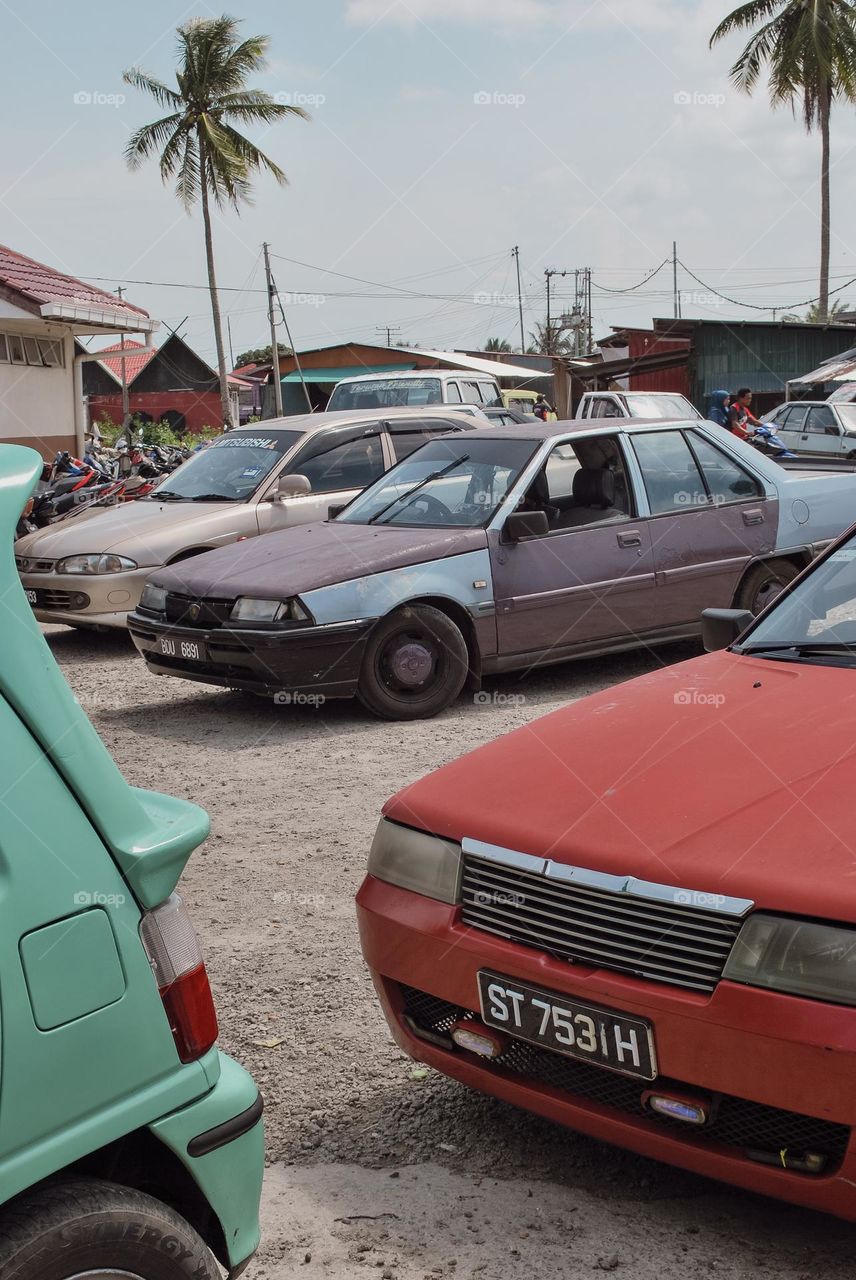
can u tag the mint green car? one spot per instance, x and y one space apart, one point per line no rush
130 1148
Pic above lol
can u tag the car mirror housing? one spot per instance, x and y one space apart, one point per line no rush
721 628
526 524
335 509
293 486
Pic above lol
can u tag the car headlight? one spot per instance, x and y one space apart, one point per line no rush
796 956
248 609
153 598
416 860
95 564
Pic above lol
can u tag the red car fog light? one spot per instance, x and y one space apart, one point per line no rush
477 1038
176 959
676 1106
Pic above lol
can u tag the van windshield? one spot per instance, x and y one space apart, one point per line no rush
386 393
230 469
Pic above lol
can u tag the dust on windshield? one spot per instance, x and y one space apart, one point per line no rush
817 618
230 469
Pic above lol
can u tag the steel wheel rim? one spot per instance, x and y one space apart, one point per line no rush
409 663
767 593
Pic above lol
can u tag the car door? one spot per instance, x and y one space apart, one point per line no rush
338 464
821 432
591 578
709 516
789 423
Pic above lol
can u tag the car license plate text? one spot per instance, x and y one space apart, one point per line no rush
32 597
601 1036
189 650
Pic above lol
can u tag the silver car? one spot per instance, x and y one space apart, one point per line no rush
90 569
820 427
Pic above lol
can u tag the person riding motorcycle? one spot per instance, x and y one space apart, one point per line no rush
718 411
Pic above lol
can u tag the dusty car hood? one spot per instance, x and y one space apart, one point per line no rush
311 556
725 775
147 532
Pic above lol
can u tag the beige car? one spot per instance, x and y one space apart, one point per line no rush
89 570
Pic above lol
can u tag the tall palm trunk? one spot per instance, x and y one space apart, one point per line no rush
225 402
825 107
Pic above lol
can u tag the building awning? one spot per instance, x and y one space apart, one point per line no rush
352 371
830 371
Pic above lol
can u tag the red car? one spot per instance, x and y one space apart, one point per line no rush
637 916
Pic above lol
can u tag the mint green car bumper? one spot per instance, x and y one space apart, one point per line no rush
220 1141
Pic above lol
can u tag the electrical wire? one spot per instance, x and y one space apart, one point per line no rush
754 306
632 288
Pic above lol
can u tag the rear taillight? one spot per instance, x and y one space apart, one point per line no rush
176 959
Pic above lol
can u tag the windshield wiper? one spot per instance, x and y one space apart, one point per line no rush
798 648
405 497
213 497
164 495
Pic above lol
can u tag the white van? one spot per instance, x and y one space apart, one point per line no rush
415 388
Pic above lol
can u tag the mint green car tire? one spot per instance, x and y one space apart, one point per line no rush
83 1228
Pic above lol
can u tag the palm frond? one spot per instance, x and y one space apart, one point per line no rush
188 182
258 108
145 141
251 156
163 95
744 17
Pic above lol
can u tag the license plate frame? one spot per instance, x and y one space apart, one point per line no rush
182 648
608 1036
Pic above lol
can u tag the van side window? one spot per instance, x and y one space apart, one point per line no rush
453 393
489 395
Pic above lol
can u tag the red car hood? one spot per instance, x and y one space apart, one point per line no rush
312 556
724 775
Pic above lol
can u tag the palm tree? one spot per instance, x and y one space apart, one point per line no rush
198 143
809 49
551 340
497 344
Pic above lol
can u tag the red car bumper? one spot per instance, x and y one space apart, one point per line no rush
778 1071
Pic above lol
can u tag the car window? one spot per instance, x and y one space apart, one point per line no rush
796 417
352 464
470 392
580 485
819 610
489 395
672 479
453 393
385 393
660 406
822 421
231 468
406 441
726 479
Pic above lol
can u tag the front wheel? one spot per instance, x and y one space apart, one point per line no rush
84 1228
415 664
763 583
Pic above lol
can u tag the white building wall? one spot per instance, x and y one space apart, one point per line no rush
36 403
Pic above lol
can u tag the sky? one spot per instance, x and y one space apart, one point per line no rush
442 133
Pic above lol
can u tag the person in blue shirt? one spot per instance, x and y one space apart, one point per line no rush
718 411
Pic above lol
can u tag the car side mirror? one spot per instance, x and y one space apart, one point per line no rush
335 510
526 524
721 628
295 486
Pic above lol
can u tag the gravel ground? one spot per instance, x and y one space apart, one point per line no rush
370 1168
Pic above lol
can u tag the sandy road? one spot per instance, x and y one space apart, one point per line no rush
371 1171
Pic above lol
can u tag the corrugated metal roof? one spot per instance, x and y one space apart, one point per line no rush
346 371
499 369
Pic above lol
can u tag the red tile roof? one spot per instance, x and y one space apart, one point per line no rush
36 283
136 358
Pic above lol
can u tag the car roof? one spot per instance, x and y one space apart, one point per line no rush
399 374
585 426
307 423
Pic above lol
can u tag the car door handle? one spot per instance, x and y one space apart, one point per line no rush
631 539
753 517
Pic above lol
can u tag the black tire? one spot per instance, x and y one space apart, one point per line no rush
84 1226
415 664
763 583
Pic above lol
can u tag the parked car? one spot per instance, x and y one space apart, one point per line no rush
415 388
510 548
636 404
273 475
129 1146
521 399
637 916
816 426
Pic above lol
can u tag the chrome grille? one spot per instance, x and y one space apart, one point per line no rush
646 934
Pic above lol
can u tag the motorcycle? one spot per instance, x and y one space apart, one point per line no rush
766 440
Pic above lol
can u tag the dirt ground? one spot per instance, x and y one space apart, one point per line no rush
371 1171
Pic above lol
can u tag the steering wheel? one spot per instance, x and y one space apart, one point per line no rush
432 508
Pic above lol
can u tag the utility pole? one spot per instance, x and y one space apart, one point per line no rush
389 330
515 253
126 398
549 273
231 351
677 297
274 345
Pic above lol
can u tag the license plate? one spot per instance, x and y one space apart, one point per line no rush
173 647
32 596
587 1032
